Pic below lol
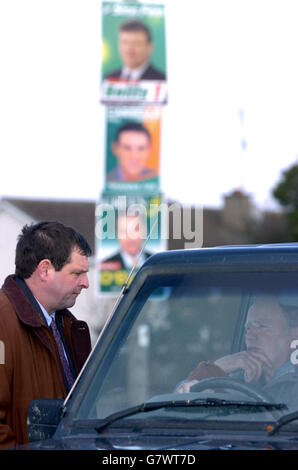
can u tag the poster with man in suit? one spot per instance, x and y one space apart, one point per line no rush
123 241
134 62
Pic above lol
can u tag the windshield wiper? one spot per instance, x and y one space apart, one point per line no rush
197 402
288 418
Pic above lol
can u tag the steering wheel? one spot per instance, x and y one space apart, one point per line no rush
232 384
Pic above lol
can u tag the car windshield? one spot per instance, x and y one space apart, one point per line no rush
209 335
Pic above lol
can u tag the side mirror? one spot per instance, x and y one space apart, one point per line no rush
43 418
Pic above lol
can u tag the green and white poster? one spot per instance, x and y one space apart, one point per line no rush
133 53
128 231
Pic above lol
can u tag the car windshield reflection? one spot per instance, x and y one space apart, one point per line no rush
226 336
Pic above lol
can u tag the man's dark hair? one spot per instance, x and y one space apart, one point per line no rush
132 126
47 240
136 25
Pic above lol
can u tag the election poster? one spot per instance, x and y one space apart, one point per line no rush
128 231
132 149
133 67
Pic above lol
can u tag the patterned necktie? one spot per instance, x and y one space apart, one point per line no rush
68 374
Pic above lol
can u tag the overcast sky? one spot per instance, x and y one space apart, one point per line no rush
232 67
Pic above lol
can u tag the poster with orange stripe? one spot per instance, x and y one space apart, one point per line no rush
132 153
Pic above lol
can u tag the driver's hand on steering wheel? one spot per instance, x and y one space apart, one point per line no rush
186 386
253 363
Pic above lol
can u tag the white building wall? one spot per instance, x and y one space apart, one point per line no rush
11 223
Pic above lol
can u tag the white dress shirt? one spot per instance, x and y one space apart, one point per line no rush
133 74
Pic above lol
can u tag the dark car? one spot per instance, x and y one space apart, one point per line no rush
191 358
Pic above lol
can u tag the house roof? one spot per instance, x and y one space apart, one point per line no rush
78 214
216 229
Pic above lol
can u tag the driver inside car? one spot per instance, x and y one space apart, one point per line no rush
266 362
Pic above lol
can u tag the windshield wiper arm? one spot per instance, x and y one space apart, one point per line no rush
206 402
222 402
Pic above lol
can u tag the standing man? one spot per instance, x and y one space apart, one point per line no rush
45 346
135 49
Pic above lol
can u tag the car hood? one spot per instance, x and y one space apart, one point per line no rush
130 441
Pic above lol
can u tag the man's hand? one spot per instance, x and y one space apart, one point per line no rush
254 364
186 386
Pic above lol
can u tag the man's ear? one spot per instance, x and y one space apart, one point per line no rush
44 269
